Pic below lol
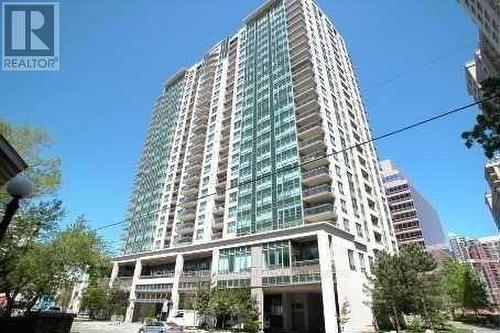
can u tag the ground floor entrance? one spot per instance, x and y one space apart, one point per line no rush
297 311
145 310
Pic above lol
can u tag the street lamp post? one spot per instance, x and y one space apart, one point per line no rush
18 187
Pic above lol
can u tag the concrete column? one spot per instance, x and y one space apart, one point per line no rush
256 263
286 302
179 265
130 312
256 281
327 287
114 274
215 268
258 295
137 273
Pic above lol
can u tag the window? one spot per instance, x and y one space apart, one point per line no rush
362 264
199 234
276 255
359 230
235 260
350 256
346 225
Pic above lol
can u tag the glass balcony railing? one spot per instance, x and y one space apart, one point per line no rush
316 172
317 190
319 209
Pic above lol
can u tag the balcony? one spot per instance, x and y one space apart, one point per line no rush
308 118
192 179
312 145
218 210
305 97
200 129
190 190
185 228
217 235
193 167
316 176
307 106
184 240
221 185
308 131
218 224
316 194
189 202
220 197
197 139
187 214
320 213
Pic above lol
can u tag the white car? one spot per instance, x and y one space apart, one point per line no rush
160 327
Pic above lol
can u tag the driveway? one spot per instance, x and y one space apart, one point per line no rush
88 326
104 327
475 329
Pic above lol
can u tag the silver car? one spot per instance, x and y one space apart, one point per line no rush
160 327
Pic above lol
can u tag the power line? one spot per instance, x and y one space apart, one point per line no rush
298 165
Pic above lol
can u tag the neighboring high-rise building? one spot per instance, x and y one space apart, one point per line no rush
486 62
459 246
484 255
414 219
239 183
492 175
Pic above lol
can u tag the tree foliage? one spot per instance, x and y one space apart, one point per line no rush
100 300
31 143
463 286
222 304
486 131
406 283
48 266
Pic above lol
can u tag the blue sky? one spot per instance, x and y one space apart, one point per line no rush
409 55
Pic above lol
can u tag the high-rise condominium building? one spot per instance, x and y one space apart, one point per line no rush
486 62
414 219
240 184
492 175
484 255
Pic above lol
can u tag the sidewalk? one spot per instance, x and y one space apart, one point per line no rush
475 329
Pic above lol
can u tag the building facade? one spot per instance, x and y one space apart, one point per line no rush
246 180
492 175
486 61
414 219
484 255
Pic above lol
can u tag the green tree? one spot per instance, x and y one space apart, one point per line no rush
406 283
475 296
95 299
224 303
464 289
118 301
201 302
37 219
37 225
31 143
486 131
54 264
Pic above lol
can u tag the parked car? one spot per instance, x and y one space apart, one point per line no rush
53 308
159 327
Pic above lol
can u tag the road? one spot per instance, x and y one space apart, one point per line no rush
103 327
113 327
